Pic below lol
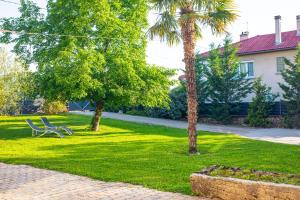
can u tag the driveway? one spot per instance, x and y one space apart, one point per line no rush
21 182
279 135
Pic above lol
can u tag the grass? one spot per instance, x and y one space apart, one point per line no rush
153 156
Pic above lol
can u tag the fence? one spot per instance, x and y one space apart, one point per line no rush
278 108
27 107
80 106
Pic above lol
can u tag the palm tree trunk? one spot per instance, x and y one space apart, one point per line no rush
188 35
97 116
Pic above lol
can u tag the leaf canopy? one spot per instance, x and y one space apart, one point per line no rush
92 50
216 14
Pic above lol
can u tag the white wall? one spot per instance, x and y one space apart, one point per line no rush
265 66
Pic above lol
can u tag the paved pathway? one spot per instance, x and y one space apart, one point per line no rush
20 182
287 136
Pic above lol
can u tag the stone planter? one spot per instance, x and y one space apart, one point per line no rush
237 189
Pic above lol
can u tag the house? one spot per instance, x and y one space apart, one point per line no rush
263 55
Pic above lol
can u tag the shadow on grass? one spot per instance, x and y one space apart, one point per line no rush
153 156
18 128
14 128
162 165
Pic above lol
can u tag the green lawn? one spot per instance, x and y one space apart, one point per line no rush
152 156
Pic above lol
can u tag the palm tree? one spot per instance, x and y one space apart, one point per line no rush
182 20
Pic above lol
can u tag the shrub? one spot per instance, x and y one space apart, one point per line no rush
261 105
54 107
178 104
136 112
177 107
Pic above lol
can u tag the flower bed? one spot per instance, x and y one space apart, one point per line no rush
229 183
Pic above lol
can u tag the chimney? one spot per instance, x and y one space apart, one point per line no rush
298 25
278 29
244 35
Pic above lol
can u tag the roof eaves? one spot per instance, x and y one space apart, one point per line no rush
266 51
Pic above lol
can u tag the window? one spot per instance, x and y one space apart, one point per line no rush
280 64
247 68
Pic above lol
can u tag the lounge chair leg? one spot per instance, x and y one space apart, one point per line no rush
43 134
56 132
67 130
59 135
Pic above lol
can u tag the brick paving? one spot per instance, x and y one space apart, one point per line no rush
20 182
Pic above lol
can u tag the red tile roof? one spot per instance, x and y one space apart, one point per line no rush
266 43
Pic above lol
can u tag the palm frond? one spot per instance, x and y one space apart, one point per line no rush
164 5
198 31
166 28
218 15
200 5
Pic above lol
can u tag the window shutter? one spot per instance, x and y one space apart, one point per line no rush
280 64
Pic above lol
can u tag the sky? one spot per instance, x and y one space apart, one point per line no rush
255 16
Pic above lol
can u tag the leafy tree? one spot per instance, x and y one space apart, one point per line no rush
178 95
226 85
183 20
90 50
177 109
13 83
177 106
291 89
261 105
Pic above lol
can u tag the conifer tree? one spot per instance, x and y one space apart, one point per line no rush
261 105
226 85
291 89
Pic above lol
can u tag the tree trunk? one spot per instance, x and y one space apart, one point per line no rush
189 40
97 116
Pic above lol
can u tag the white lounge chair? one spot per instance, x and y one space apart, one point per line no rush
36 131
50 126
